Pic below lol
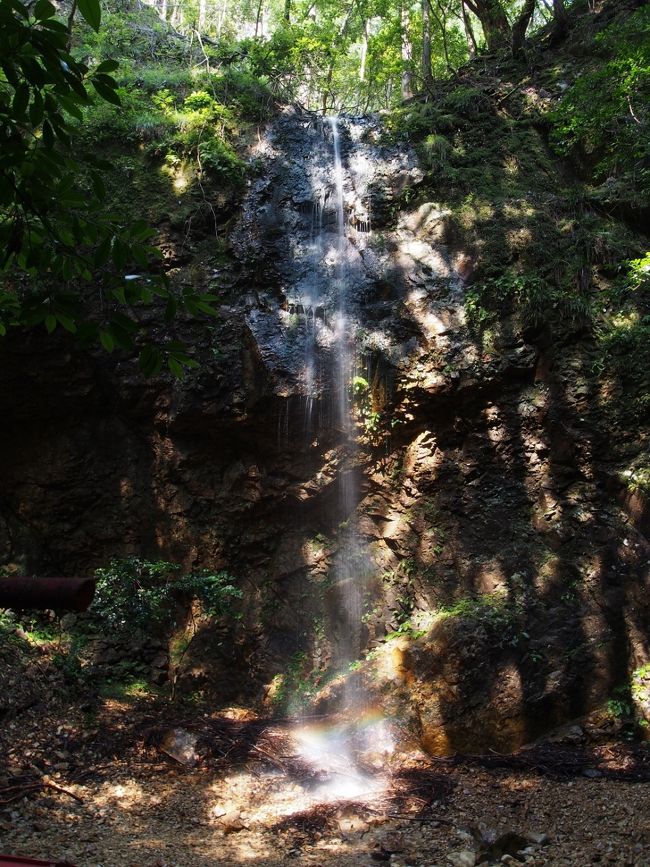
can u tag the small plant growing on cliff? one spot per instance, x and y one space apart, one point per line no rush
619 706
435 150
494 612
370 417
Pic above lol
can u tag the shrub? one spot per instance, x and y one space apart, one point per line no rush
435 151
240 88
144 594
531 297
467 101
602 120
412 121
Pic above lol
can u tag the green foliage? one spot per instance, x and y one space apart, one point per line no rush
328 56
640 687
140 120
639 275
251 97
418 120
493 612
628 700
7 624
624 344
90 9
41 87
638 479
405 630
291 689
132 35
470 102
360 385
623 339
435 151
619 705
201 128
534 299
603 118
183 124
61 248
136 593
488 606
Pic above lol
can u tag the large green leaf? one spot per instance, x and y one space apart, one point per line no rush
106 91
107 66
44 9
106 339
91 11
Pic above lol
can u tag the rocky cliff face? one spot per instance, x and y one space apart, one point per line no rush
508 563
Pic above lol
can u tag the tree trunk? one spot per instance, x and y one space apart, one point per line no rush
470 38
203 11
494 22
441 19
364 51
287 11
70 23
407 53
328 87
222 18
427 76
258 18
560 19
520 27
333 54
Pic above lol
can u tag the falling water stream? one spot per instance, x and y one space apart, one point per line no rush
341 273
334 749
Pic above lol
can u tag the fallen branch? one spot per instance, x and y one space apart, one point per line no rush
48 784
20 788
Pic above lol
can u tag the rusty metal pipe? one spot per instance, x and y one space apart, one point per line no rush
39 594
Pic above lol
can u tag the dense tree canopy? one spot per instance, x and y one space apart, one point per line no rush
188 77
360 54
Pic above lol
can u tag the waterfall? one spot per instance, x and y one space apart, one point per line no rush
321 316
335 749
341 273
349 566
321 321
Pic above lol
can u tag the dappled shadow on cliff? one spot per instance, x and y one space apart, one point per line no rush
521 546
528 520
526 527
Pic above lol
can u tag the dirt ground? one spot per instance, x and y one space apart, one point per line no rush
247 791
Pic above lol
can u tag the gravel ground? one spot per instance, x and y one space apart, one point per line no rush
110 795
92 781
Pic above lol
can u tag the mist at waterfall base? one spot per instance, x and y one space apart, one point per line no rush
348 757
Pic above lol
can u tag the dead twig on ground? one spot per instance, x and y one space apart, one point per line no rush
48 784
